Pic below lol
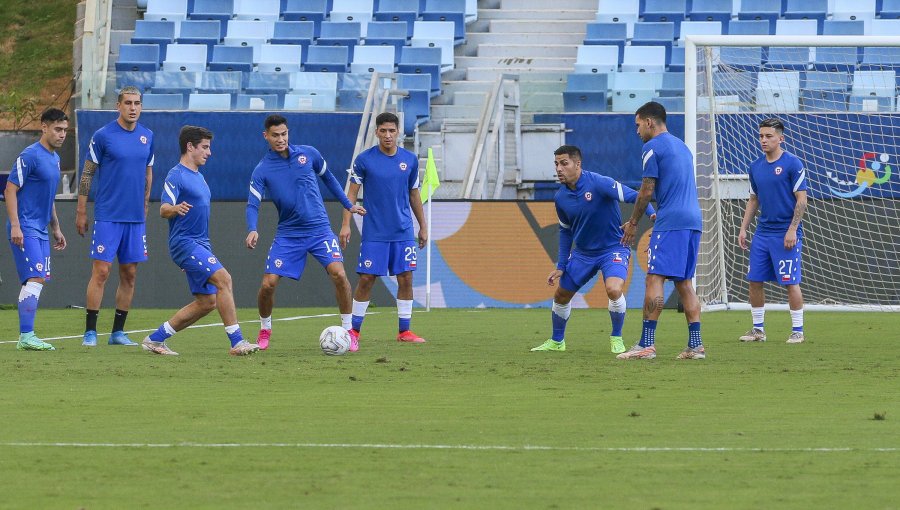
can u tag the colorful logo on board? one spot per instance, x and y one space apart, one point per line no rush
867 176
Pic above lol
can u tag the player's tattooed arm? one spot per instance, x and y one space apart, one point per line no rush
645 194
799 209
87 177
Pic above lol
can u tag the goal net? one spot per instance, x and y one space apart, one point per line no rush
837 97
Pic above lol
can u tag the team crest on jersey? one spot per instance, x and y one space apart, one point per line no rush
39 266
403 167
143 139
778 170
617 257
278 263
211 260
588 196
367 263
301 159
100 248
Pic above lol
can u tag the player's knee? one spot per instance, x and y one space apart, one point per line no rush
100 273
127 277
222 279
366 281
614 292
207 303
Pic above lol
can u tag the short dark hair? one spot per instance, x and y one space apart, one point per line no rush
52 115
773 122
652 110
193 135
274 120
387 118
569 150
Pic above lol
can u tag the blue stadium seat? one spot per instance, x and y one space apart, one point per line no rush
143 80
306 10
219 10
672 84
368 59
358 11
312 91
448 10
416 107
768 10
853 10
387 33
406 11
665 10
209 102
747 59
162 101
654 34
844 59
256 102
739 86
890 9
792 58
676 64
138 57
333 59
778 91
175 82
871 104
221 82
258 10
352 100
186 57
161 33
200 32
880 59
630 90
623 11
644 59
166 10
712 10
586 93
885 27
277 84
435 34
821 91
231 58
249 33
606 34
844 27
671 104
341 33
597 59
294 32
751 27
422 61
699 28
280 58
808 9
797 27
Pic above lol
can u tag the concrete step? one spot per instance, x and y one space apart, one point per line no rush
542 39
537 14
513 62
467 86
543 102
527 50
123 17
491 73
527 26
470 98
567 5
440 112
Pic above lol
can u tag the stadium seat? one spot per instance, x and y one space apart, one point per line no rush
368 59
340 33
277 84
672 84
671 104
744 58
256 102
630 100
422 61
231 58
358 11
792 58
435 34
406 11
312 91
166 10
200 32
220 82
314 11
644 59
676 64
387 33
844 59
310 102
884 27
750 27
416 107
448 10
808 10
161 33
852 10
333 59
249 33
665 10
711 10
699 28
723 104
890 9
258 10
740 86
186 57
768 10
844 27
607 34
162 101
280 58
880 59
824 91
796 27
597 59
209 102
586 93
219 10
175 82
654 34
778 91
138 57
351 100
870 104
294 32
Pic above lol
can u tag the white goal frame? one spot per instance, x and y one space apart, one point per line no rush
692 44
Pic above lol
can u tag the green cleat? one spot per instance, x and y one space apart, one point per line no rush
30 342
551 345
616 346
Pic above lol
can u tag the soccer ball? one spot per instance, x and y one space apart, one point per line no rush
334 340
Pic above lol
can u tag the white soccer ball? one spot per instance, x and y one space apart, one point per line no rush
334 340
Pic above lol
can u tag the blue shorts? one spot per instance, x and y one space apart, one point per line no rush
33 259
580 268
287 256
382 258
198 268
770 262
673 254
127 241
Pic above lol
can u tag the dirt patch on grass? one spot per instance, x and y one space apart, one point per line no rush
55 92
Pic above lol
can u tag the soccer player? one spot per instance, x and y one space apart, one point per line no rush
588 209
668 170
29 194
778 191
390 175
185 203
288 174
121 156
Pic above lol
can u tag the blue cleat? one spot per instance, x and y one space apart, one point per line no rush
90 339
120 338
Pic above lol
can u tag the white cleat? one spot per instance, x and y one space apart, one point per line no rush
157 347
796 337
243 348
754 335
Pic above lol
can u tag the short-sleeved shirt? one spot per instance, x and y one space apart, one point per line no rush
185 185
668 160
387 181
121 179
36 173
774 185
591 211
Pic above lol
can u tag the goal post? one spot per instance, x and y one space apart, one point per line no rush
838 99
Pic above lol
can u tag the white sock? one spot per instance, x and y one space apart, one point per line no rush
404 308
265 322
618 305
360 307
562 311
346 321
169 329
797 318
231 329
31 289
759 315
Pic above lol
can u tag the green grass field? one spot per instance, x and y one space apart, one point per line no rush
469 420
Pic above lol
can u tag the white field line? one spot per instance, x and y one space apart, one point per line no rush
464 447
298 317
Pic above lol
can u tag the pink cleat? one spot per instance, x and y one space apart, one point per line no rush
263 339
354 340
410 337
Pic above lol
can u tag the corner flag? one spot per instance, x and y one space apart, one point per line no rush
430 183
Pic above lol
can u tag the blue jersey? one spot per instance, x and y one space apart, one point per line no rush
121 179
589 215
668 160
774 185
388 181
185 232
292 185
36 173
